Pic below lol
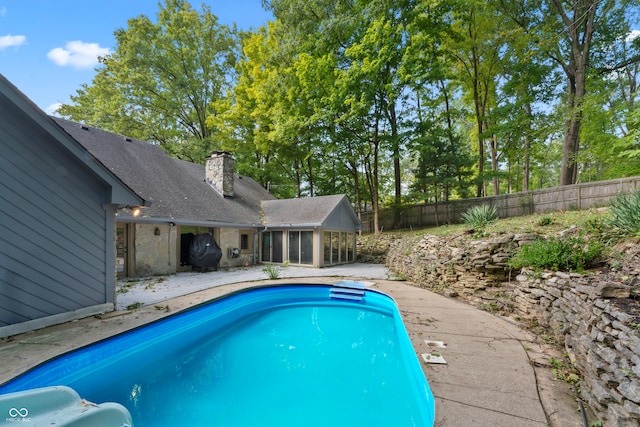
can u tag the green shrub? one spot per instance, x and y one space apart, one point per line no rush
272 271
625 213
544 221
480 216
600 228
568 254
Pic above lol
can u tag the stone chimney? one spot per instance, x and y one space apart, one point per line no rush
218 172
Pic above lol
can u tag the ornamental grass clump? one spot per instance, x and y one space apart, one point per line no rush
480 216
625 214
272 271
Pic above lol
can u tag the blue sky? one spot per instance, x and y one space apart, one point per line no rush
48 48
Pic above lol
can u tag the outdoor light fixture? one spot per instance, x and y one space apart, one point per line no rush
135 211
156 231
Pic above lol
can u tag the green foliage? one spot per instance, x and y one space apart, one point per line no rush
161 81
600 227
480 216
134 306
564 370
625 213
272 271
560 254
545 220
372 99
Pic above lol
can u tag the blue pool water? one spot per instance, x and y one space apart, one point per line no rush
275 356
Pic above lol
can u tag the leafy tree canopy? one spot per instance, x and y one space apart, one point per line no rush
162 80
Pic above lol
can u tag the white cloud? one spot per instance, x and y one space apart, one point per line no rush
78 54
3 11
632 35
53 108
9 40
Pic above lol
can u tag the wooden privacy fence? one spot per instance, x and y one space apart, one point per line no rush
568 197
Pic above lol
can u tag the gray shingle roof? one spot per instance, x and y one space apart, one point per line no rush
176 188
333 212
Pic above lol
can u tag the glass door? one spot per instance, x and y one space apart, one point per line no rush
276 246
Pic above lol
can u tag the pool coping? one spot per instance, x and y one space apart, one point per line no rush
496 373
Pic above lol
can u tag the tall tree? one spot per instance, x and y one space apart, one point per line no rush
621 99
162 79
529 85
351 107
248 119
376 58
476 44
569 32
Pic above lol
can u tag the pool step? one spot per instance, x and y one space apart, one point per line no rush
60 406
348 290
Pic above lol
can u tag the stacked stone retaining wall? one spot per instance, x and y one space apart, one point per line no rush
593 315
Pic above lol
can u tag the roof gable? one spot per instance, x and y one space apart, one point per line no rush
331 212
12 98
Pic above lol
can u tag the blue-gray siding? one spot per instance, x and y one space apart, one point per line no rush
342 218
55 227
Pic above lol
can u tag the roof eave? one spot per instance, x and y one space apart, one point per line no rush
184 222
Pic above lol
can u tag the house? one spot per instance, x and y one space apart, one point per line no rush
80 206
58 208
186 200
246 221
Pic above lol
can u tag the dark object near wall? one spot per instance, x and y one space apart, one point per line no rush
204 252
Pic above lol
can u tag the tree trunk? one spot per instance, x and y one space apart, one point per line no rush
579 35
527 150
310 176
395 141
569 171
296 167
495 167
373 175
480 124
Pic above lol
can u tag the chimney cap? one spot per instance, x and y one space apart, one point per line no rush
220 153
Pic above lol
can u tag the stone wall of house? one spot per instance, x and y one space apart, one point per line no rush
156 249
592 315
230 239
155 252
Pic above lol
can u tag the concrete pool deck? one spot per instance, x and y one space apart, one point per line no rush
496 374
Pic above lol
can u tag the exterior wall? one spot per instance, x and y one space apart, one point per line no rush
56 244
230 239
156 252
155 249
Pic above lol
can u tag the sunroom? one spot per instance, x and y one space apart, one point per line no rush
315 232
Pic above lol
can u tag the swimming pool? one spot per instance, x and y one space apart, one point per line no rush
289 355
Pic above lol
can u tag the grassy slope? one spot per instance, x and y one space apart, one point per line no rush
547 224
